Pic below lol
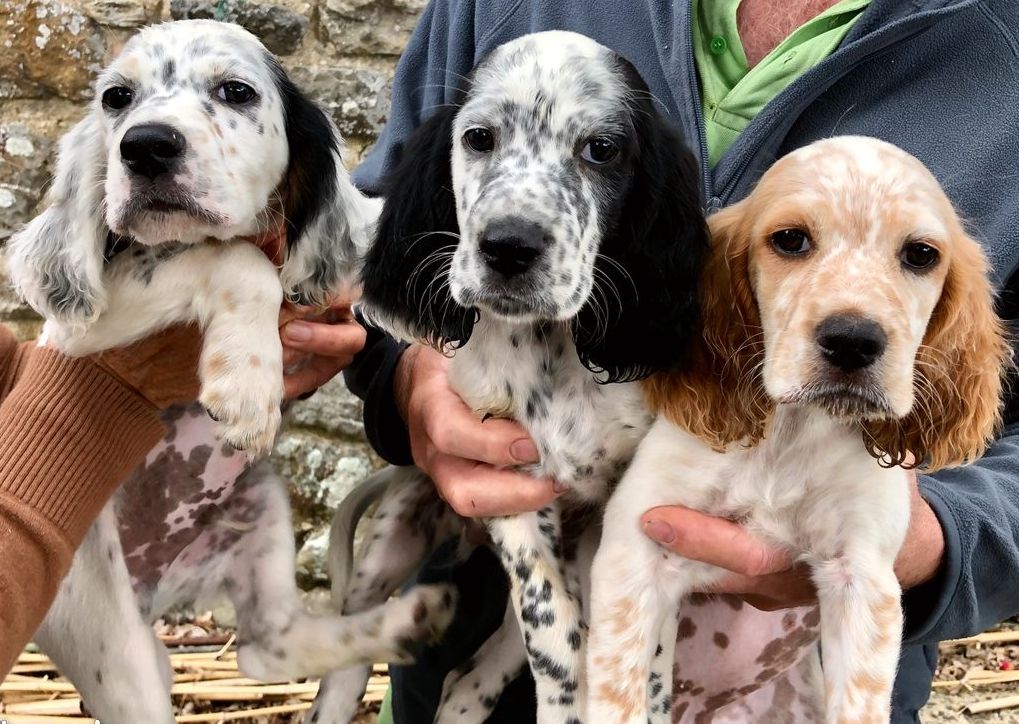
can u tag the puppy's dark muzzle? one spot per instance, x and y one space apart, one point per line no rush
151 150
511 246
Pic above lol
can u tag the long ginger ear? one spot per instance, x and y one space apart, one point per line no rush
958 375
719 396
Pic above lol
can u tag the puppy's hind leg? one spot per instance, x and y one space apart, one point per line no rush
410 522
470 693
96 635
278 639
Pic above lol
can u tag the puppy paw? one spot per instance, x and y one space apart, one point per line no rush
70 340
243 393
466 696
417 619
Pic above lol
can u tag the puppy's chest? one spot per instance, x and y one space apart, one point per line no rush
806 483
586 433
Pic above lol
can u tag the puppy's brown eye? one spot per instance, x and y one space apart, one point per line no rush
235 92
599 151
117 98
917 255
480 139
791 242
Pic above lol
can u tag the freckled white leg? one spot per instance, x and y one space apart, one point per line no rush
861 630
241 367
660 681
279 639
635 601
95 634
470 693
637 588
531 551
409 523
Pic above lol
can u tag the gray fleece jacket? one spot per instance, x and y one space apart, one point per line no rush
940 78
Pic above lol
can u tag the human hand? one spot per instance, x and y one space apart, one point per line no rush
764 576
465 457
162 368
317 347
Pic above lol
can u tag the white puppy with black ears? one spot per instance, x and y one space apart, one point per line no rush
196 139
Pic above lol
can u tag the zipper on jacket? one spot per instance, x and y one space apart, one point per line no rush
694 86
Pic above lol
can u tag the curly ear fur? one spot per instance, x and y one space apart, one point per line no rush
328 221
958 377
651 259
405 275
56 261
719 394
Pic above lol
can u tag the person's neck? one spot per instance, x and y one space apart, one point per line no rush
763 24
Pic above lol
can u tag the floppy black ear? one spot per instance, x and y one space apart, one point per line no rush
328 221
652 258
405 277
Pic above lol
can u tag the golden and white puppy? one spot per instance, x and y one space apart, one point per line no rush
848 325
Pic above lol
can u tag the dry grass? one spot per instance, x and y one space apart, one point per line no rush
207 687
977 681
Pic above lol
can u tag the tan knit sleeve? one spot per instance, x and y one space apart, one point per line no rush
70 432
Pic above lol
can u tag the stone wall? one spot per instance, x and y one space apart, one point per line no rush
342 52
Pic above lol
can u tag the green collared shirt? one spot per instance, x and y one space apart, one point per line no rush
731 93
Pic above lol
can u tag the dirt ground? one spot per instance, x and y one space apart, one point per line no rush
967 663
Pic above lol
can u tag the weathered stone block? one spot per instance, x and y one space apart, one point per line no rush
25 167
322 471
369 27
45 44
279 27
312 559
357 99
333 409
123 13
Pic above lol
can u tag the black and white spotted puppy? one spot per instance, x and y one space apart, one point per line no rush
546 231
196 139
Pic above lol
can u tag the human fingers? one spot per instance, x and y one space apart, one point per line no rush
712 540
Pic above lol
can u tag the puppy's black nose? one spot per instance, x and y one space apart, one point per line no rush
851 342
511 246
151 149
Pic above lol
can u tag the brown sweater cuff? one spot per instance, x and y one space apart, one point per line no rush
70 433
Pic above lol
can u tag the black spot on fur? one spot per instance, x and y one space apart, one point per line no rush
169 71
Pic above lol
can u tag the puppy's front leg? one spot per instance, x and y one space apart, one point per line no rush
637 586
241 368
530 547
861 629
233 291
